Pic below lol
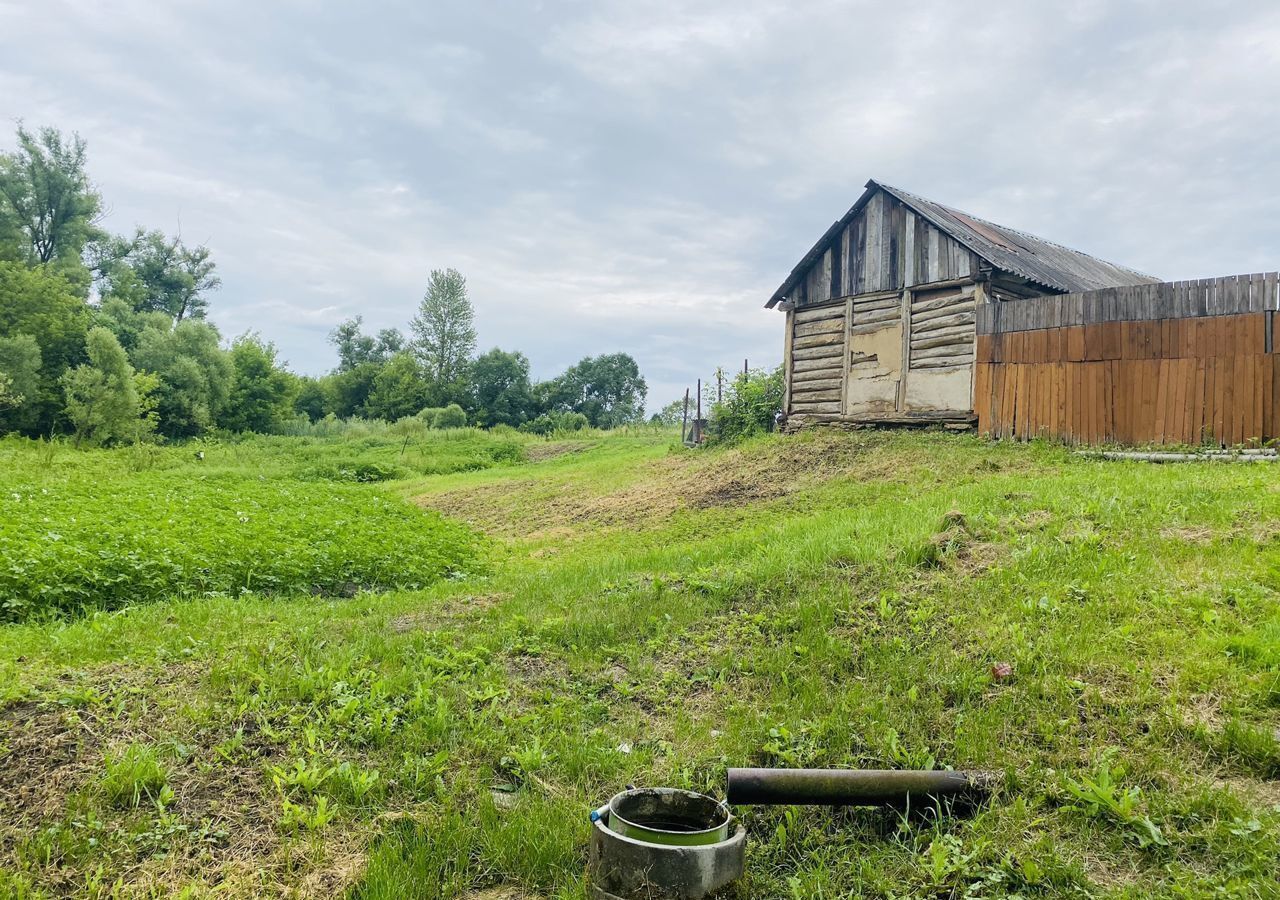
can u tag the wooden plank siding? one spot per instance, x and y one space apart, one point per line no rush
886 247
1189 362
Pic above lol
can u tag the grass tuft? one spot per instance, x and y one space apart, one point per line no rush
132 776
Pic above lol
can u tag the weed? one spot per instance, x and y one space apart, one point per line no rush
305 776
311 816
1100 796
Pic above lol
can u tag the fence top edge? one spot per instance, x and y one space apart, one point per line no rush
1254 292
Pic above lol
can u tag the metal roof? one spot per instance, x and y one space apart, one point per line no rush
1035 259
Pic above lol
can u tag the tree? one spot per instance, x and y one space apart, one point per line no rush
155 273
196 375
607 389
47 203
398 389
102 399
126 323
8 397
313 397
19 370
444 335
503 393
671 414
355 348
40 304
262 395
350 390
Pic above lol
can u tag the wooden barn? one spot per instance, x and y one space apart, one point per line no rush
881 312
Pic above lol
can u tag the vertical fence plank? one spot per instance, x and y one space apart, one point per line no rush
1256 392
1266 397
1160 422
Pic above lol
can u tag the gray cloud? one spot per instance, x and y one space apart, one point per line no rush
640 177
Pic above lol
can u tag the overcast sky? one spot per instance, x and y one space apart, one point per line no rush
640 176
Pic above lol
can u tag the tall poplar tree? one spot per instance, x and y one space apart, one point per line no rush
444 336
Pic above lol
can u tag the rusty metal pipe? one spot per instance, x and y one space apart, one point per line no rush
855 787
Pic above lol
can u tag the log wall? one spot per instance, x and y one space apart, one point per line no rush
1176 363
884 356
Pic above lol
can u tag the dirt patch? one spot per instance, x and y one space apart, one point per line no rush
1256 792
48 748
440 614
531 670
975 557
694 480
1107 873
220 825
553 449
1188 535
735 492
1203 711
501 892
40 761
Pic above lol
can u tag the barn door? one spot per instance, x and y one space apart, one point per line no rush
939 375
873 384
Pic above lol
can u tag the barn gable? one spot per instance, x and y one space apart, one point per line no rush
881 312
892 239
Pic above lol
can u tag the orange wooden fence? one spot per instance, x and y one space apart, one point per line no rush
1178 363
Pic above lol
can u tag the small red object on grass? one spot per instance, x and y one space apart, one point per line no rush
1001 670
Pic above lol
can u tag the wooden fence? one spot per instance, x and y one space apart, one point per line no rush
1185 362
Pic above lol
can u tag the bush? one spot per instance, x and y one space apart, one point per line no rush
452 416
353 471
429 414
551 423
748 407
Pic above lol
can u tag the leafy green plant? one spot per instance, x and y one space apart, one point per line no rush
1101 796
747 408
305 776
352 783
67 544
311 816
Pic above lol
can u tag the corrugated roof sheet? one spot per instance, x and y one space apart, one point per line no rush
1043 262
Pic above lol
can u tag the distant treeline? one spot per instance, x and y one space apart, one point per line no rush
105 338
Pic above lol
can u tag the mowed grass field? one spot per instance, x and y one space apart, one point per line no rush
607 610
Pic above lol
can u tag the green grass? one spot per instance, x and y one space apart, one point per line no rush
84 531
654 616
132 776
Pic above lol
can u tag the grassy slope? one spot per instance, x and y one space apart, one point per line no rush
801 601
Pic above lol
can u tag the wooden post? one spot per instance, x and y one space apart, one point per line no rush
787 373
906 349
844 362
697 422
684 420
